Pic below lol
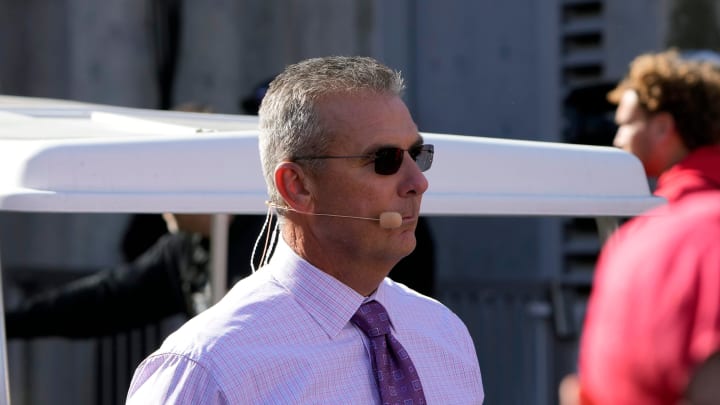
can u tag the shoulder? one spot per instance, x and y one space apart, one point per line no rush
162 377
248 314
703 205
689 220
402 296
413 309
437 339
223 344
678 241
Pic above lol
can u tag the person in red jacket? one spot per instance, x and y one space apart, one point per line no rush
653 318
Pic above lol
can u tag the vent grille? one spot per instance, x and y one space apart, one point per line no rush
582 59
582 41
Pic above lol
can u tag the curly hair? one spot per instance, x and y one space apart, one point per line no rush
689 90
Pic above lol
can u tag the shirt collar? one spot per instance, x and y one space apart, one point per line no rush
330 302
383 296
698 171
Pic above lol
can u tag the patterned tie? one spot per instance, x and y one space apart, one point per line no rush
395 374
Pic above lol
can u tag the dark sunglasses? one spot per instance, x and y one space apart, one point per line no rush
388 160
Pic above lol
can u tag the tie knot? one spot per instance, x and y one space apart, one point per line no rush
372 319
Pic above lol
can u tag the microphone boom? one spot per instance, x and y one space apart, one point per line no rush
387 219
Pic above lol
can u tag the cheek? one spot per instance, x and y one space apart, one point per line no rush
367 200
347 195
639 144
631 139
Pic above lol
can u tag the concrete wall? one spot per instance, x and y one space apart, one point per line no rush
633 27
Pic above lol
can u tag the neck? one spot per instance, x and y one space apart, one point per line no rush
675 151
333 258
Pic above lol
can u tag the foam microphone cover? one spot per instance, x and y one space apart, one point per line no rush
390 220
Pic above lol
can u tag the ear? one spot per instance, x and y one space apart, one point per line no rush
668 137
664 126
290 180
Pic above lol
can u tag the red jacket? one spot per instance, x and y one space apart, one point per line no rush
699 171
654 312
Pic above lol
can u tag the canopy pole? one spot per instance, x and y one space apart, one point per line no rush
218 255
606 226
4 380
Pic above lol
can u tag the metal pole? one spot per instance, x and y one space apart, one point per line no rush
5 381
606 227
218 255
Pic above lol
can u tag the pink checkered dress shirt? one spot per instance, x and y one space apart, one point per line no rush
284 336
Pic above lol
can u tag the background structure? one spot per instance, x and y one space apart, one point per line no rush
522 69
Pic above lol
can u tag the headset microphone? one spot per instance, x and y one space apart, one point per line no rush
387 220
390 220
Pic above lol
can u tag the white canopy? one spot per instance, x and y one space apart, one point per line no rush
73 157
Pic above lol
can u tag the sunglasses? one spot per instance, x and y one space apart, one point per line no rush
388 160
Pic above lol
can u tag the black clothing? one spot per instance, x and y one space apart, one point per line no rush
125 297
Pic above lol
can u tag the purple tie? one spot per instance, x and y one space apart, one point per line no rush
395 374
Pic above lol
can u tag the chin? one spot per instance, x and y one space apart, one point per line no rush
410 245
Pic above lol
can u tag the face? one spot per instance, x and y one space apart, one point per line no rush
362 125
638 133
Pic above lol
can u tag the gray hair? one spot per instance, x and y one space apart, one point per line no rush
290 123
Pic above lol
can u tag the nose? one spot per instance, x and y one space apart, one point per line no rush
414 181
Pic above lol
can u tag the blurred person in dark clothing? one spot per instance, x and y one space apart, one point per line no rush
169 278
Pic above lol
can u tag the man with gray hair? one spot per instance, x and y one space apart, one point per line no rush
320 321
